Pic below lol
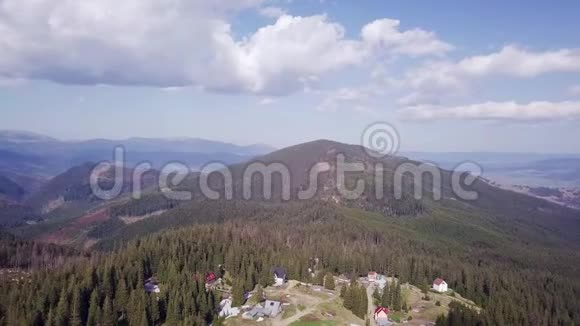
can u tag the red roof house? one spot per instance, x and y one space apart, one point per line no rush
210 277
381 313
440 285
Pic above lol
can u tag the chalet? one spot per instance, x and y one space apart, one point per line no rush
279 276
151 286
372 276
210 278
440 285
270 309
381 316
226 309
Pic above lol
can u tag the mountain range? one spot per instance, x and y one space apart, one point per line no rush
492 250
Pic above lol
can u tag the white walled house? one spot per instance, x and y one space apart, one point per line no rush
440 285
279 276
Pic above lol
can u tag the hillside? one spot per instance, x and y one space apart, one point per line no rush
492 251
247 239
10 190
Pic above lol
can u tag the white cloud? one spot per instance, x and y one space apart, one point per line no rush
175 43
429 81
350 98
384 33
533 111
272 12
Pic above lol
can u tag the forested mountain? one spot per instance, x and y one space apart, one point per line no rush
109 286
499 250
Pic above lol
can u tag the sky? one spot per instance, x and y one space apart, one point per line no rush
501 76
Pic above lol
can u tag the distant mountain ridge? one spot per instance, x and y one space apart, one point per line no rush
26 141
31 154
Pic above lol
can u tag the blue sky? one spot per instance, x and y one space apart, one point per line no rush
452 76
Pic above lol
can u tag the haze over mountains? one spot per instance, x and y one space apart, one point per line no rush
31 154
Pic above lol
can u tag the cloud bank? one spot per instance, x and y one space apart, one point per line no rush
507 111
174 43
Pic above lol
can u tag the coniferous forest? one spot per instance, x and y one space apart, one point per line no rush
106 287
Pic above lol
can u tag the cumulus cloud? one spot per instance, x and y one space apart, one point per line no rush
384 33
533 111
430 80
175 43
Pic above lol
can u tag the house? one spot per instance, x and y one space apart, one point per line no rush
440 285
210 278
151 286
226 309
279 276
381 316
372 276
272 308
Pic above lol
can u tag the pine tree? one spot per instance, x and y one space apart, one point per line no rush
349 298
122 296
237 294
93 308
76 311
62 311
363 304
319 279
397 297
329 282
376 297
109 317
386 297
154 308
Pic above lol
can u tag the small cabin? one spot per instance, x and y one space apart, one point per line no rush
440 285
381 316
279 276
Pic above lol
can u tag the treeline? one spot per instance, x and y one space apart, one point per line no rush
460 315
27 255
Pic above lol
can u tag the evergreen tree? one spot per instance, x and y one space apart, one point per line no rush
397 300
76 311
237 294
319 279
109 317
62 311
376 297
329 282
386 297
93 308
